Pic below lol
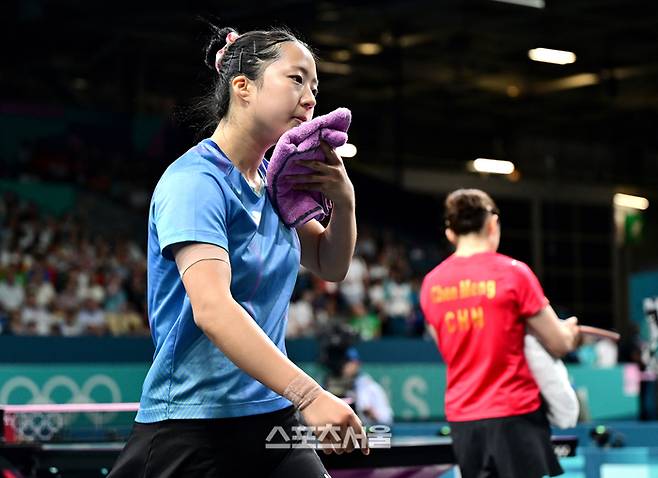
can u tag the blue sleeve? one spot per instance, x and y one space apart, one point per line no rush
190 207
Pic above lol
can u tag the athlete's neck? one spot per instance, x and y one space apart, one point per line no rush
473 244
241 148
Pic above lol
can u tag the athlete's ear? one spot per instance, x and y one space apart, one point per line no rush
451 236
492 224
241 86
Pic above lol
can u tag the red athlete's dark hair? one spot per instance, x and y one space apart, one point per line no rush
466 210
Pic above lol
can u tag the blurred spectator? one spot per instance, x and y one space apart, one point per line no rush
125 321
366 247
301 317
28 229
44 290
12 293
379 268
68 298
15 323
365 323
377 295
353 287
35 317
70 326
327 311
91 317
397 305
372 403
115 299
369 398
46 235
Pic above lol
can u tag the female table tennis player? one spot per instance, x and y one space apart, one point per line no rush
478 305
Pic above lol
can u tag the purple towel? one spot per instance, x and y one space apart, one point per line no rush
303 143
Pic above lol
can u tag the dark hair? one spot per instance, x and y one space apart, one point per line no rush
467 209
249 55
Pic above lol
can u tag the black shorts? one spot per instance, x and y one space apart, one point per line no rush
216 448
509 447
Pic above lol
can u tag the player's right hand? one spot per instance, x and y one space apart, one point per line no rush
572 325
336 425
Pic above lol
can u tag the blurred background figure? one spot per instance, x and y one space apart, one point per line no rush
371 401
347 380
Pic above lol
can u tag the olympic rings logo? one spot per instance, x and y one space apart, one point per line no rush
43 426
35 426
44 394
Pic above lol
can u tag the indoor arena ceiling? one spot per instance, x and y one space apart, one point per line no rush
431 83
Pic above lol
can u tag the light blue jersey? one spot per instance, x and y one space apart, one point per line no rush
202 197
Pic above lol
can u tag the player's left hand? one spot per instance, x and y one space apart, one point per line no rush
330 178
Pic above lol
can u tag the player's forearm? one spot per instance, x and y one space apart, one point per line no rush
238 336
336 245
556 335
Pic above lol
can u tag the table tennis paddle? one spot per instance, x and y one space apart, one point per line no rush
599 332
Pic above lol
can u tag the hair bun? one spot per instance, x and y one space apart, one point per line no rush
217 42
466 210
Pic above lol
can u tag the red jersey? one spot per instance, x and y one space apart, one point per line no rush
478 307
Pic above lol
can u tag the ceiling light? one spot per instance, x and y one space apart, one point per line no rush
493 166
348 150
525 3
630 201
368 48
547 55
513 91
341 55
